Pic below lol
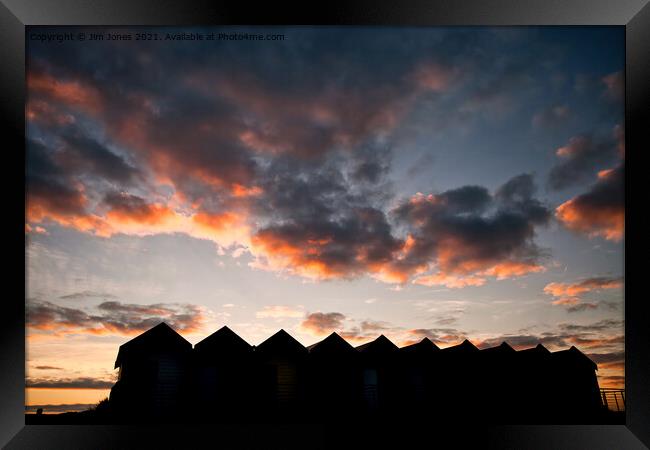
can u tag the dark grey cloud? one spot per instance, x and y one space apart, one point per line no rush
581 158
69 383
551 116
330 219
66 407
421 165
86 294
614 86
522 341
48 186
582 307
440 336
600 336
607 358
485 230
85 155
323 323
111 317
48 368
602 325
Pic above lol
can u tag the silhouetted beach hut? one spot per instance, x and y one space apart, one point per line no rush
577 390
223 375
460 379
534 386
152 379
280 364
334 378
416 369
379 374
496 394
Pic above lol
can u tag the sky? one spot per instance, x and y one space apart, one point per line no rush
448 183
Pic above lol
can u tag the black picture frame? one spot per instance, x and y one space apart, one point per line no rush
634 15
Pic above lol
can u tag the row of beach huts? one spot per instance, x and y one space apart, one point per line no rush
223 378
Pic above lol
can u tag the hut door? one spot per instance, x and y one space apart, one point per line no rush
370 393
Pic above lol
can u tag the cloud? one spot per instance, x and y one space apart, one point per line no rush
289 161
48 368
614 86
368 330
467 234
551 117
584 286
599 212
446 320
440 336
86 294
51 191
68 383
569 301
111 317
582 307
423 163
602 336
85 155
607 358
320 324
354 331
581 157
279 312
602 325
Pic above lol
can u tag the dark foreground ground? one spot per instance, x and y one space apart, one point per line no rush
315 436
93 418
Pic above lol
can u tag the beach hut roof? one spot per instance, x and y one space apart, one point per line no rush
425 346
573 356
464 347
281 343
380 345
503 348
224 341
331 345
160 337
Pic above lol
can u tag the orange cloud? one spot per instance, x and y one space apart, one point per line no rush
511 269
575 289
569 301
450 281
43 112
148 214
275 253
599 211
433 77
592 221
320 324
239 190
70 92
111 318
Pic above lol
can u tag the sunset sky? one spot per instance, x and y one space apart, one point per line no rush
443 182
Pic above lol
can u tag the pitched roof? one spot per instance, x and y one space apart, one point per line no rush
380 345
160 337
331 345
425 346
573 356
464 347
538 349
281 343
503 348
223 341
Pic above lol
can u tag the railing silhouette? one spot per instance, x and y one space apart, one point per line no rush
613 398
